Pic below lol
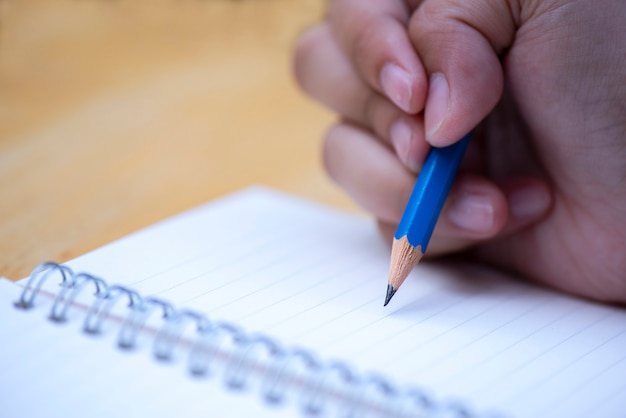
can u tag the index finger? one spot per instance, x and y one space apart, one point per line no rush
374 35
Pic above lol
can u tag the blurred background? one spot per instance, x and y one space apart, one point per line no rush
115 114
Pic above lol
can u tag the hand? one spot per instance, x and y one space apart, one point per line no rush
543 186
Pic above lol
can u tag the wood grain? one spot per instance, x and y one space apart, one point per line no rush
115 114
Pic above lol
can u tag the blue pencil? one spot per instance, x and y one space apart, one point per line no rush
422 211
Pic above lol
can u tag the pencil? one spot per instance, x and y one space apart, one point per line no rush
422 211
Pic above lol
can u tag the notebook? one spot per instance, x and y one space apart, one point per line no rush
263 304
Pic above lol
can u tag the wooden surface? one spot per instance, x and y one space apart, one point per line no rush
115 114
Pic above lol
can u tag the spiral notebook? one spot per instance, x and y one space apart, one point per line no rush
262 304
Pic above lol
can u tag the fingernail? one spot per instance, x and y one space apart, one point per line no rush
528 201
396 84
401 135
472 213
437 104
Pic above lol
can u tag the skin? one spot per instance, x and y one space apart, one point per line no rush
542 190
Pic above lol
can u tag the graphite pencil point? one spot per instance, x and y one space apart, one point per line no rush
390 292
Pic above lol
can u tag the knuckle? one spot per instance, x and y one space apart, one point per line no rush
304 49
330 150
364 43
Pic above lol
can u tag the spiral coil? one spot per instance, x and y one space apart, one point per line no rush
319 388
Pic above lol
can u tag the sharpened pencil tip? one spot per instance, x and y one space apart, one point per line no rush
390 292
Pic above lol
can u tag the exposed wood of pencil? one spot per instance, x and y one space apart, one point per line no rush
404 257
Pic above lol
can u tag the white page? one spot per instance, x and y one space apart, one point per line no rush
314 277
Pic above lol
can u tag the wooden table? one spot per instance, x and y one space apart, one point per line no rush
115 114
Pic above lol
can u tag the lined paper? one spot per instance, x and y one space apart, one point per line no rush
314 277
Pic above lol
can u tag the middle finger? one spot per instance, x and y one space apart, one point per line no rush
326 74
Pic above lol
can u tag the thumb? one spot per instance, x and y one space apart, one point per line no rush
458 42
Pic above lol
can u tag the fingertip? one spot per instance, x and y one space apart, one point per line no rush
401 135
476 208
457 103
476 211
407 138
529 199
479 209
437 108
466 79
404 88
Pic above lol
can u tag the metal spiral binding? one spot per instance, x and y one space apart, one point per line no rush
137 317
319 388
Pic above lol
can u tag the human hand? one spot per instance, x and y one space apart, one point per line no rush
542 190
